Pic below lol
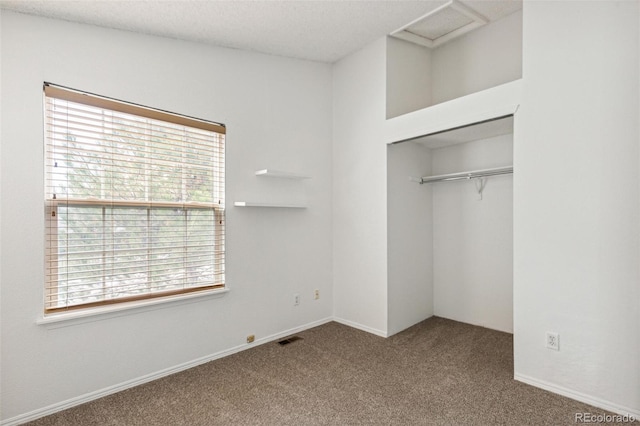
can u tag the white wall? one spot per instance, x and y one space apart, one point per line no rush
409 237
484 58
473 238
408 77
360 189
278 113
577 202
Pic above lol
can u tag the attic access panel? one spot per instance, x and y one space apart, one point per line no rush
449 21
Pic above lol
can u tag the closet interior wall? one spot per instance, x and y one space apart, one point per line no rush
409 237
473 235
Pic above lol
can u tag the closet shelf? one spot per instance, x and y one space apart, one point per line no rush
466 175
282 206
281 174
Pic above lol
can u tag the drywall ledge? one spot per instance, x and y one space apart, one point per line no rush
499 101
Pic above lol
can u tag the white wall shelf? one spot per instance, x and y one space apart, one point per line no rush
280 174
272 205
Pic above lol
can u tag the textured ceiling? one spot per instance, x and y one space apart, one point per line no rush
322 31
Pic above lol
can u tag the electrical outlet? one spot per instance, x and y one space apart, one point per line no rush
296 299
251 338
316 294
553 340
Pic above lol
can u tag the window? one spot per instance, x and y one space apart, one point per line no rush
134 202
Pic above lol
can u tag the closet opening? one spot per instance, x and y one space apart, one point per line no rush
450 226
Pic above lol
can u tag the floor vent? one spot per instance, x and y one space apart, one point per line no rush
289 340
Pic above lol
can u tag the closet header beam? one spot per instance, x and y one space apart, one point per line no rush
467 175
454 128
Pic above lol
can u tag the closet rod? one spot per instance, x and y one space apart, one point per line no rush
467 175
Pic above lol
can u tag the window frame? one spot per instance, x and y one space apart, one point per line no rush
53 202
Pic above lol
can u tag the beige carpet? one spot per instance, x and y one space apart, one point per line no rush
439 372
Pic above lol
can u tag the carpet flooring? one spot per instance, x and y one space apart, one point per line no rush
438 372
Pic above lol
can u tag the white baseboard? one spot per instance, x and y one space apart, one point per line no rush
54 408
579 396
361 327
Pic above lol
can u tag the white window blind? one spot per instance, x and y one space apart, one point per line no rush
134 202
